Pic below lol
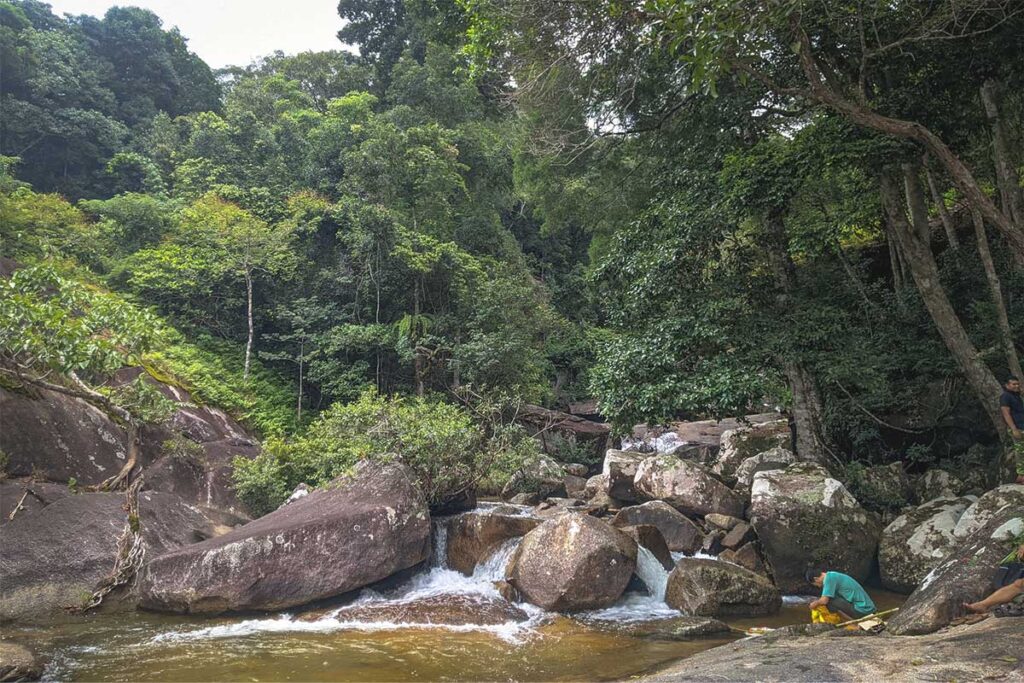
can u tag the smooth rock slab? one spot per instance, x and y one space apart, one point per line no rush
357 530
681 534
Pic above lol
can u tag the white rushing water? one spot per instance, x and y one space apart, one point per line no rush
438 584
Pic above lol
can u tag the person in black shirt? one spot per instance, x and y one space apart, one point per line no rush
1012 408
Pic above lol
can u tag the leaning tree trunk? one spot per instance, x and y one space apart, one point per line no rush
996 291
940 205
1006 172
925 272
808 409
822 91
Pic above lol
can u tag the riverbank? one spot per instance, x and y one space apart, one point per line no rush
990 650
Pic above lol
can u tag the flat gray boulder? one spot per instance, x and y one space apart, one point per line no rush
357 530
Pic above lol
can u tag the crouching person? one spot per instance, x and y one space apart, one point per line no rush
840 593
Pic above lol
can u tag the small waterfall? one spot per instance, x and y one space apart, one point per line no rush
439 543
652 573
493 568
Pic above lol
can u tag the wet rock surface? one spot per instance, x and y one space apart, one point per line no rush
990 650
710 588
357 530
680 533
18 663
448 609
473 536
670 628
573 562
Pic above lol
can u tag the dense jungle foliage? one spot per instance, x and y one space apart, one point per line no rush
683 209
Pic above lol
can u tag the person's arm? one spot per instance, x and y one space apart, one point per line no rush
820 602
1020 553
1008 419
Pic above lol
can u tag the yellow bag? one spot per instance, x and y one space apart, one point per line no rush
822 615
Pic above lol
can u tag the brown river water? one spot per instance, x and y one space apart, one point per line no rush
395 635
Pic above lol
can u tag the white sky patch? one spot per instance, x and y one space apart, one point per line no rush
235 32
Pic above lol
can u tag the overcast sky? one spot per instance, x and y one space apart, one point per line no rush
225 32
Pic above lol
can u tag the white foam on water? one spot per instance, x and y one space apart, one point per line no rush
797 599
633 607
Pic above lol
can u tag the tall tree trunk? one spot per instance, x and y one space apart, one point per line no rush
996 290
823 92
417 360
940 205
248 341
1006 171
298 403
808 409
925 272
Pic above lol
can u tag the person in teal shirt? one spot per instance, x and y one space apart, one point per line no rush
841 593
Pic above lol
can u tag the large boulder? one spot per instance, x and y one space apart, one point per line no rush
472 537
747 441
711 588
802 516
987 507
55 558
573 562
883 487
620 471
540 479
357 530
965 575
681 534
23 497
917 541
777 458
686 486
647 536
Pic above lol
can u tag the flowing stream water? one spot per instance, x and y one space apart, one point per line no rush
436 625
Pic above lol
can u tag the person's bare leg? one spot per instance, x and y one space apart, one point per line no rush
999 597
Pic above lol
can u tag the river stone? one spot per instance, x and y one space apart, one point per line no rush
550 507
450 609
18 663
474 536
542 478
648 536
576 469
670 628
681 534
710 588
619 471
917 541
747 557
965 575
803 516
885 486
747 441
686 486
575 487
723 522
936 483
778 458
985 508
573 562
56 557
739 535
357 530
